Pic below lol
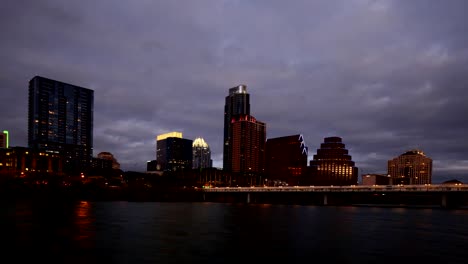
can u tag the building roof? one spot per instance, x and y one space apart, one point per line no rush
168 135
199 142
414 152
454 181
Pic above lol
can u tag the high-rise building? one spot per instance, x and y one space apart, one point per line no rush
411 167
248 145
237 103
173 153
201 154
332 165
60 120
286 159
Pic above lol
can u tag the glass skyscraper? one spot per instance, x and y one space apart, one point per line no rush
60 120
237 103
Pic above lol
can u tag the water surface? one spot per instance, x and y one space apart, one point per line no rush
126 232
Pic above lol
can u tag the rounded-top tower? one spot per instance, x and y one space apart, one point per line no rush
201 154
199 143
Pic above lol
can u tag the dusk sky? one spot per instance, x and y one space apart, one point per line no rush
386 76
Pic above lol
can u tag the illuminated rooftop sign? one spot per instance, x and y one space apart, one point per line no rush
168 135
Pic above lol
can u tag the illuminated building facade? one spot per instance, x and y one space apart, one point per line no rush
4 139
286 159
248 145
332 165
25 162
173 153
60 120
237 103
201 154
411 167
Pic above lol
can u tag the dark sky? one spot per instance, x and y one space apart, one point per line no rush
386 76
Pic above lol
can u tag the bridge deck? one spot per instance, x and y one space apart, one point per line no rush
357 188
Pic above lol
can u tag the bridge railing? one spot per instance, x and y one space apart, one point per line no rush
355 188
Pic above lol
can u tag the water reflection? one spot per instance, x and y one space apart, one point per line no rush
45 229
83 222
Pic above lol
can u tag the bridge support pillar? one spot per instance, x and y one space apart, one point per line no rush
444 202
248 197
325 199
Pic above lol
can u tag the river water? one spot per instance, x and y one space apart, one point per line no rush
131 232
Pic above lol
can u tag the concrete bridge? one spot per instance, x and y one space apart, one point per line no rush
444 195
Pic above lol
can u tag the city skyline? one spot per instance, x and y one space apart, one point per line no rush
386 76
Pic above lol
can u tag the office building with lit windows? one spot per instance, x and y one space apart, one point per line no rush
332 165
286 159
27 162
411 167
173 153
60 121
237 103
248 137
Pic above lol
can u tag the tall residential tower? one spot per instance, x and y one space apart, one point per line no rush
237 103
60 120
247 145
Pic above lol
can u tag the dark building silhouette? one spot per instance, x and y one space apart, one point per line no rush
237 103
332 165
453 182
248 145
152 165
100 163
286 159
411 167
173 153
375 179
60 120
201 154
108 156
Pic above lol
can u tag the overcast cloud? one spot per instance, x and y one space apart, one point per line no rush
386 76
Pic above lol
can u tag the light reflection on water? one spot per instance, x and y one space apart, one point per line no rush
124 232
